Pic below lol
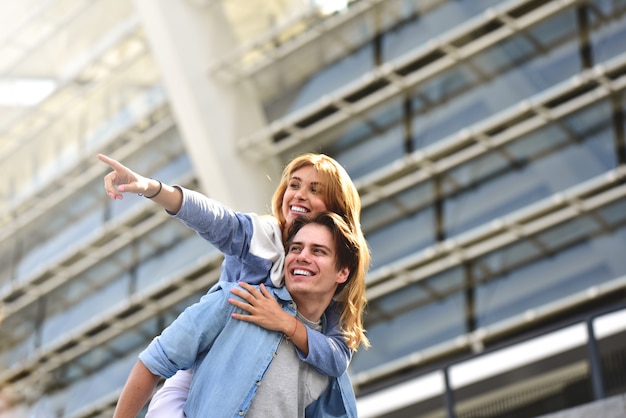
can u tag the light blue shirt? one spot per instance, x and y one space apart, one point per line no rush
254 253
229 358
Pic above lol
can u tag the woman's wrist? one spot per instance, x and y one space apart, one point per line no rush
293 329
152 192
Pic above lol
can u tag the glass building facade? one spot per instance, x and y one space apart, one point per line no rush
487 140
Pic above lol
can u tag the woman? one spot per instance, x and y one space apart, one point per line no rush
310 184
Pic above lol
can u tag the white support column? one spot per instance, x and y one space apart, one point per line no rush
186 37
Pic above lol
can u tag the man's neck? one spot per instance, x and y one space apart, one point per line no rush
311 309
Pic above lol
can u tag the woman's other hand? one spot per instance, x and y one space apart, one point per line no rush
262 308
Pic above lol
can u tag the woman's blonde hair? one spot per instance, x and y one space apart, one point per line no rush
341 197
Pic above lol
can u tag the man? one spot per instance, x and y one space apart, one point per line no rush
240 368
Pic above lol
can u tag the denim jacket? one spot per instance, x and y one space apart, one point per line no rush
254 253
229 358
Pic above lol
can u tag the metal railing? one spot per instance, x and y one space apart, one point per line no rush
574 333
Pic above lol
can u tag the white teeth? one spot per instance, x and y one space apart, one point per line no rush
299 209
298 272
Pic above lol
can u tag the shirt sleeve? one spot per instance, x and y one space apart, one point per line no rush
229 231
328 353
194 331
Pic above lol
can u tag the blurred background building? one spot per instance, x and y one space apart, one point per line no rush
487 140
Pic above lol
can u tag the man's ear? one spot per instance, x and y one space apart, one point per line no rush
342 275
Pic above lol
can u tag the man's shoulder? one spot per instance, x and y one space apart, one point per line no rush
224 287
220 291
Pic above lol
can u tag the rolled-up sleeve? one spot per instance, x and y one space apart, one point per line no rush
155 359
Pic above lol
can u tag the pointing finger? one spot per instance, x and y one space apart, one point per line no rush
114 164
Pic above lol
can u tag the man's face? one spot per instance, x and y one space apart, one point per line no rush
310 265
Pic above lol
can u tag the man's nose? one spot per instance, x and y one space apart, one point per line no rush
303 256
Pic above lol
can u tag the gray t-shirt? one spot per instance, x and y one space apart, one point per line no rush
289 385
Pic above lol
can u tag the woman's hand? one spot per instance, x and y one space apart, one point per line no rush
262 309
123 180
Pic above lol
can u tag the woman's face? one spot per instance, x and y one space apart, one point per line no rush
303 196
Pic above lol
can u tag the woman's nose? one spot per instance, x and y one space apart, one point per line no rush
301 194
